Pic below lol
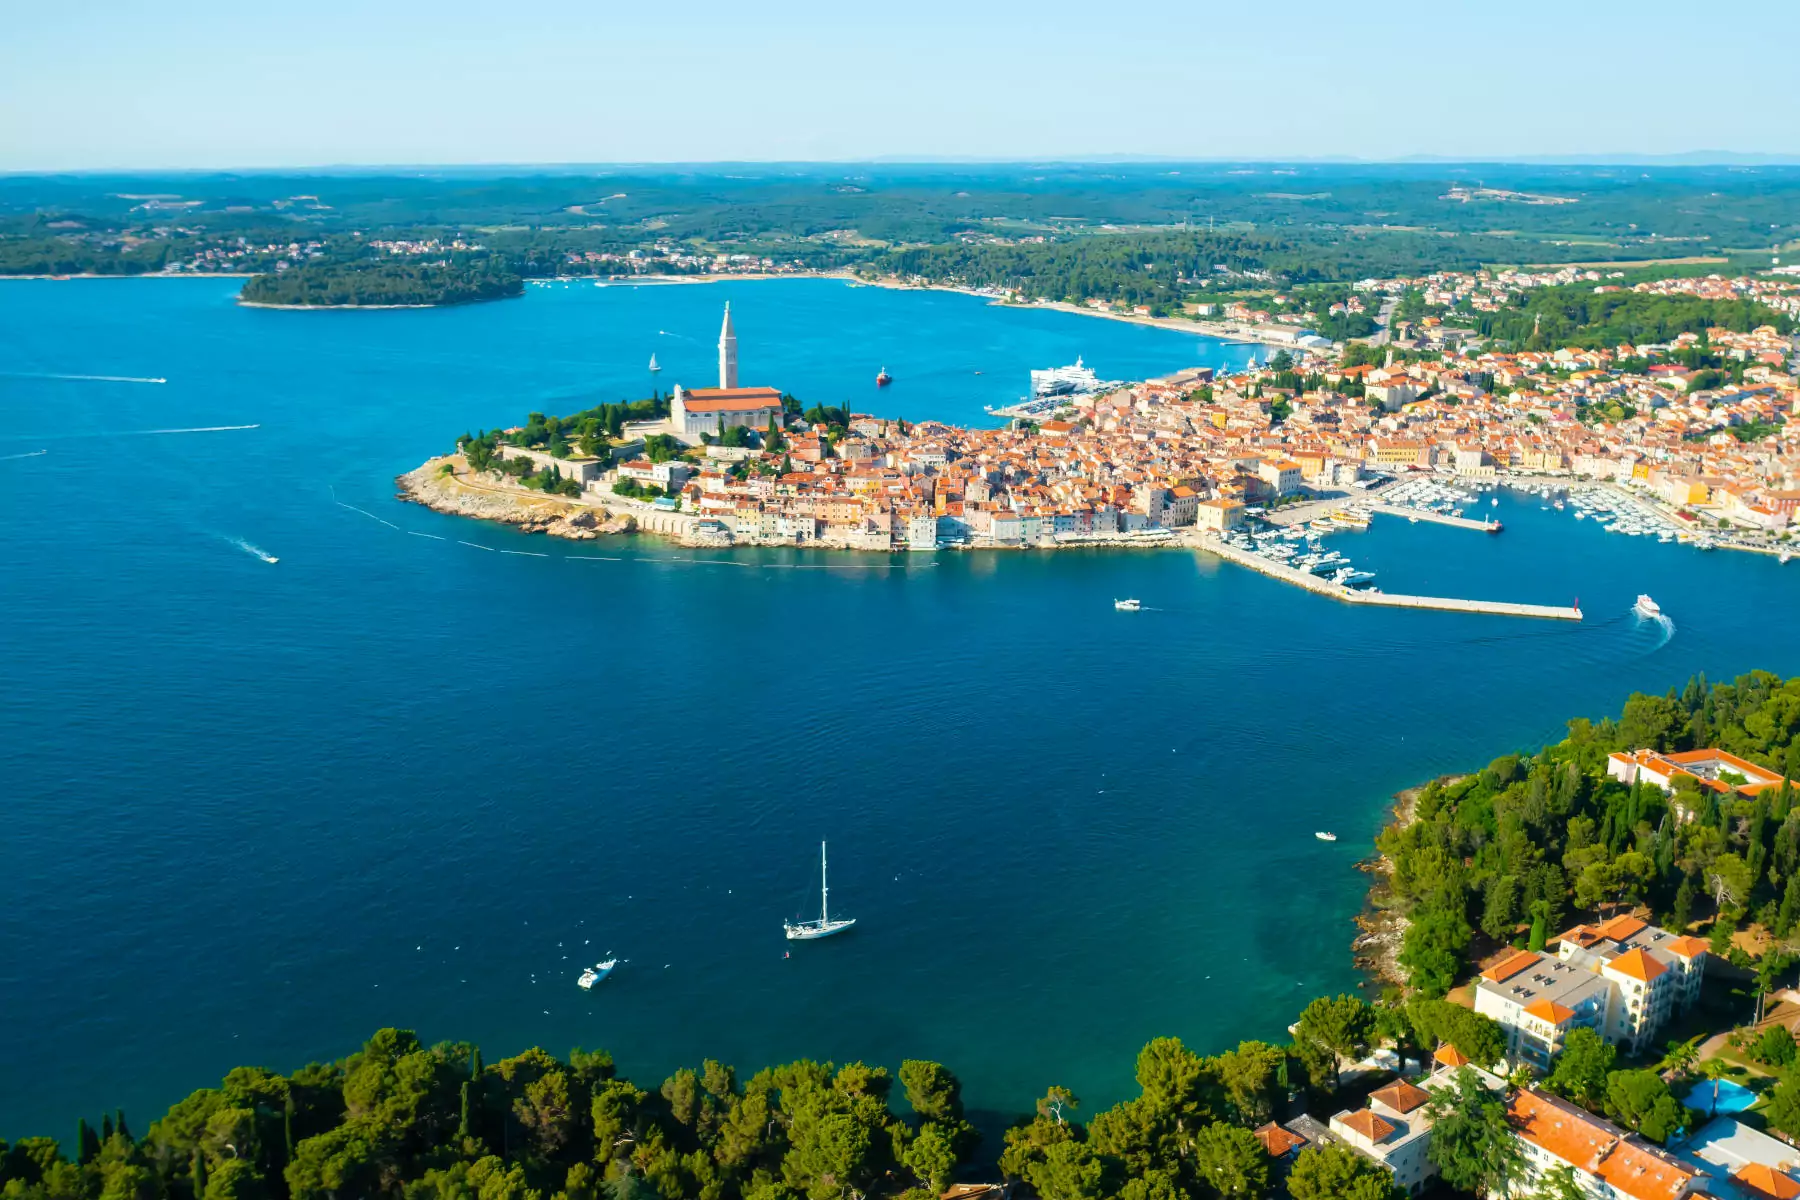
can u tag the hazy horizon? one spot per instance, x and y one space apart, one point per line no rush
118 85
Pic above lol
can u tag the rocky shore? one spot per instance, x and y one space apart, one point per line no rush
1383 929
460 494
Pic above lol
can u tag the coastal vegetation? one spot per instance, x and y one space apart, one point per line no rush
356 282
588 433
1513 852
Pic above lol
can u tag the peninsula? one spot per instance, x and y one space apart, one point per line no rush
1685 438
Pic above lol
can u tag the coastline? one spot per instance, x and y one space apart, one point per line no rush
139 275
532 512
1381 928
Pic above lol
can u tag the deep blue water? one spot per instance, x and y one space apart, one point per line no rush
254 811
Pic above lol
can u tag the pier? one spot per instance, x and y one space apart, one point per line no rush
1325 587
1436 518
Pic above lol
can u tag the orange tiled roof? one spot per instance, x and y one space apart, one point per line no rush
1549 1010
1450 1056
1401 1096
1563 1130
1642 1174
1500 972
1367 1124
1635 964
1766 1181
1621 927
1278 1141
1687 947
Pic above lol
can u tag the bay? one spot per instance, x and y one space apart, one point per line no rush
256 810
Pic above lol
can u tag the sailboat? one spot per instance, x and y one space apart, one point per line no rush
653 366
806 931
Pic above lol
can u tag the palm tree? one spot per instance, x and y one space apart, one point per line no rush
1681 1057
1715 1069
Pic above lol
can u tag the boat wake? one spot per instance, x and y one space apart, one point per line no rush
190 429
1666 629
252 548
27 454
81 378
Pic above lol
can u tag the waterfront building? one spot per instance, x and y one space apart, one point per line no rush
1395 1131
1624 979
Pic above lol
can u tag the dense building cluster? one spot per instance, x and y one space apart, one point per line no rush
1146 460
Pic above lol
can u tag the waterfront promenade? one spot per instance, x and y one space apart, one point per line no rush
1325 587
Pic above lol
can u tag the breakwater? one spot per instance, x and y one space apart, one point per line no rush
1325 587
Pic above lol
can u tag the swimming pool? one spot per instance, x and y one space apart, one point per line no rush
1731 1097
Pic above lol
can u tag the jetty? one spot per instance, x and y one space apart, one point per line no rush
1325 587
1436 518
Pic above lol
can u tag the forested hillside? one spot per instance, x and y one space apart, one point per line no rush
1518 850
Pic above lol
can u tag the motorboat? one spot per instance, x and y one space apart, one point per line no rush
596 973
1325 837
1646 607
1128 605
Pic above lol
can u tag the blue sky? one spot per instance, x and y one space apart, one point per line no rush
203 83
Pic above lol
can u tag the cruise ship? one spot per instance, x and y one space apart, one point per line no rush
1078 380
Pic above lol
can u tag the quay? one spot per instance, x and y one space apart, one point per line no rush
1325 587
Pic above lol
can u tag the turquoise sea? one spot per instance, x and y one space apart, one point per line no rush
254 810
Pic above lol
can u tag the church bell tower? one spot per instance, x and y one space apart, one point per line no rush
727 352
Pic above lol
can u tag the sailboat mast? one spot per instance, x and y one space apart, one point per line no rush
824 892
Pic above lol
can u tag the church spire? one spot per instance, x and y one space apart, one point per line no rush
728 377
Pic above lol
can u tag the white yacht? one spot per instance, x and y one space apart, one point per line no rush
1325 837
596 973
1646 607
1128 605
806 931
653 367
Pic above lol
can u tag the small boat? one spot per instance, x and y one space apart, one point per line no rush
596 973
1325 837
882 378
806 931
1128 605
1646 607
1494 502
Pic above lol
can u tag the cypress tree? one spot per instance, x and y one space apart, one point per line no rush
475 1063
119 1126
197 1173
287 1129
85 1144
462 1126
105 1128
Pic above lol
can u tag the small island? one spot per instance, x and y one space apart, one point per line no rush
361 284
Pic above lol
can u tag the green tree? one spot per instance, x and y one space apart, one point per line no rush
1472 1143
1341 1024
1250 1077
1230 1160
1432 949
932 1156
1333 1172
1641 1101
934 1093
1581 1070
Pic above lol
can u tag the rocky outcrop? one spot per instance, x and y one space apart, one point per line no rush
462 493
